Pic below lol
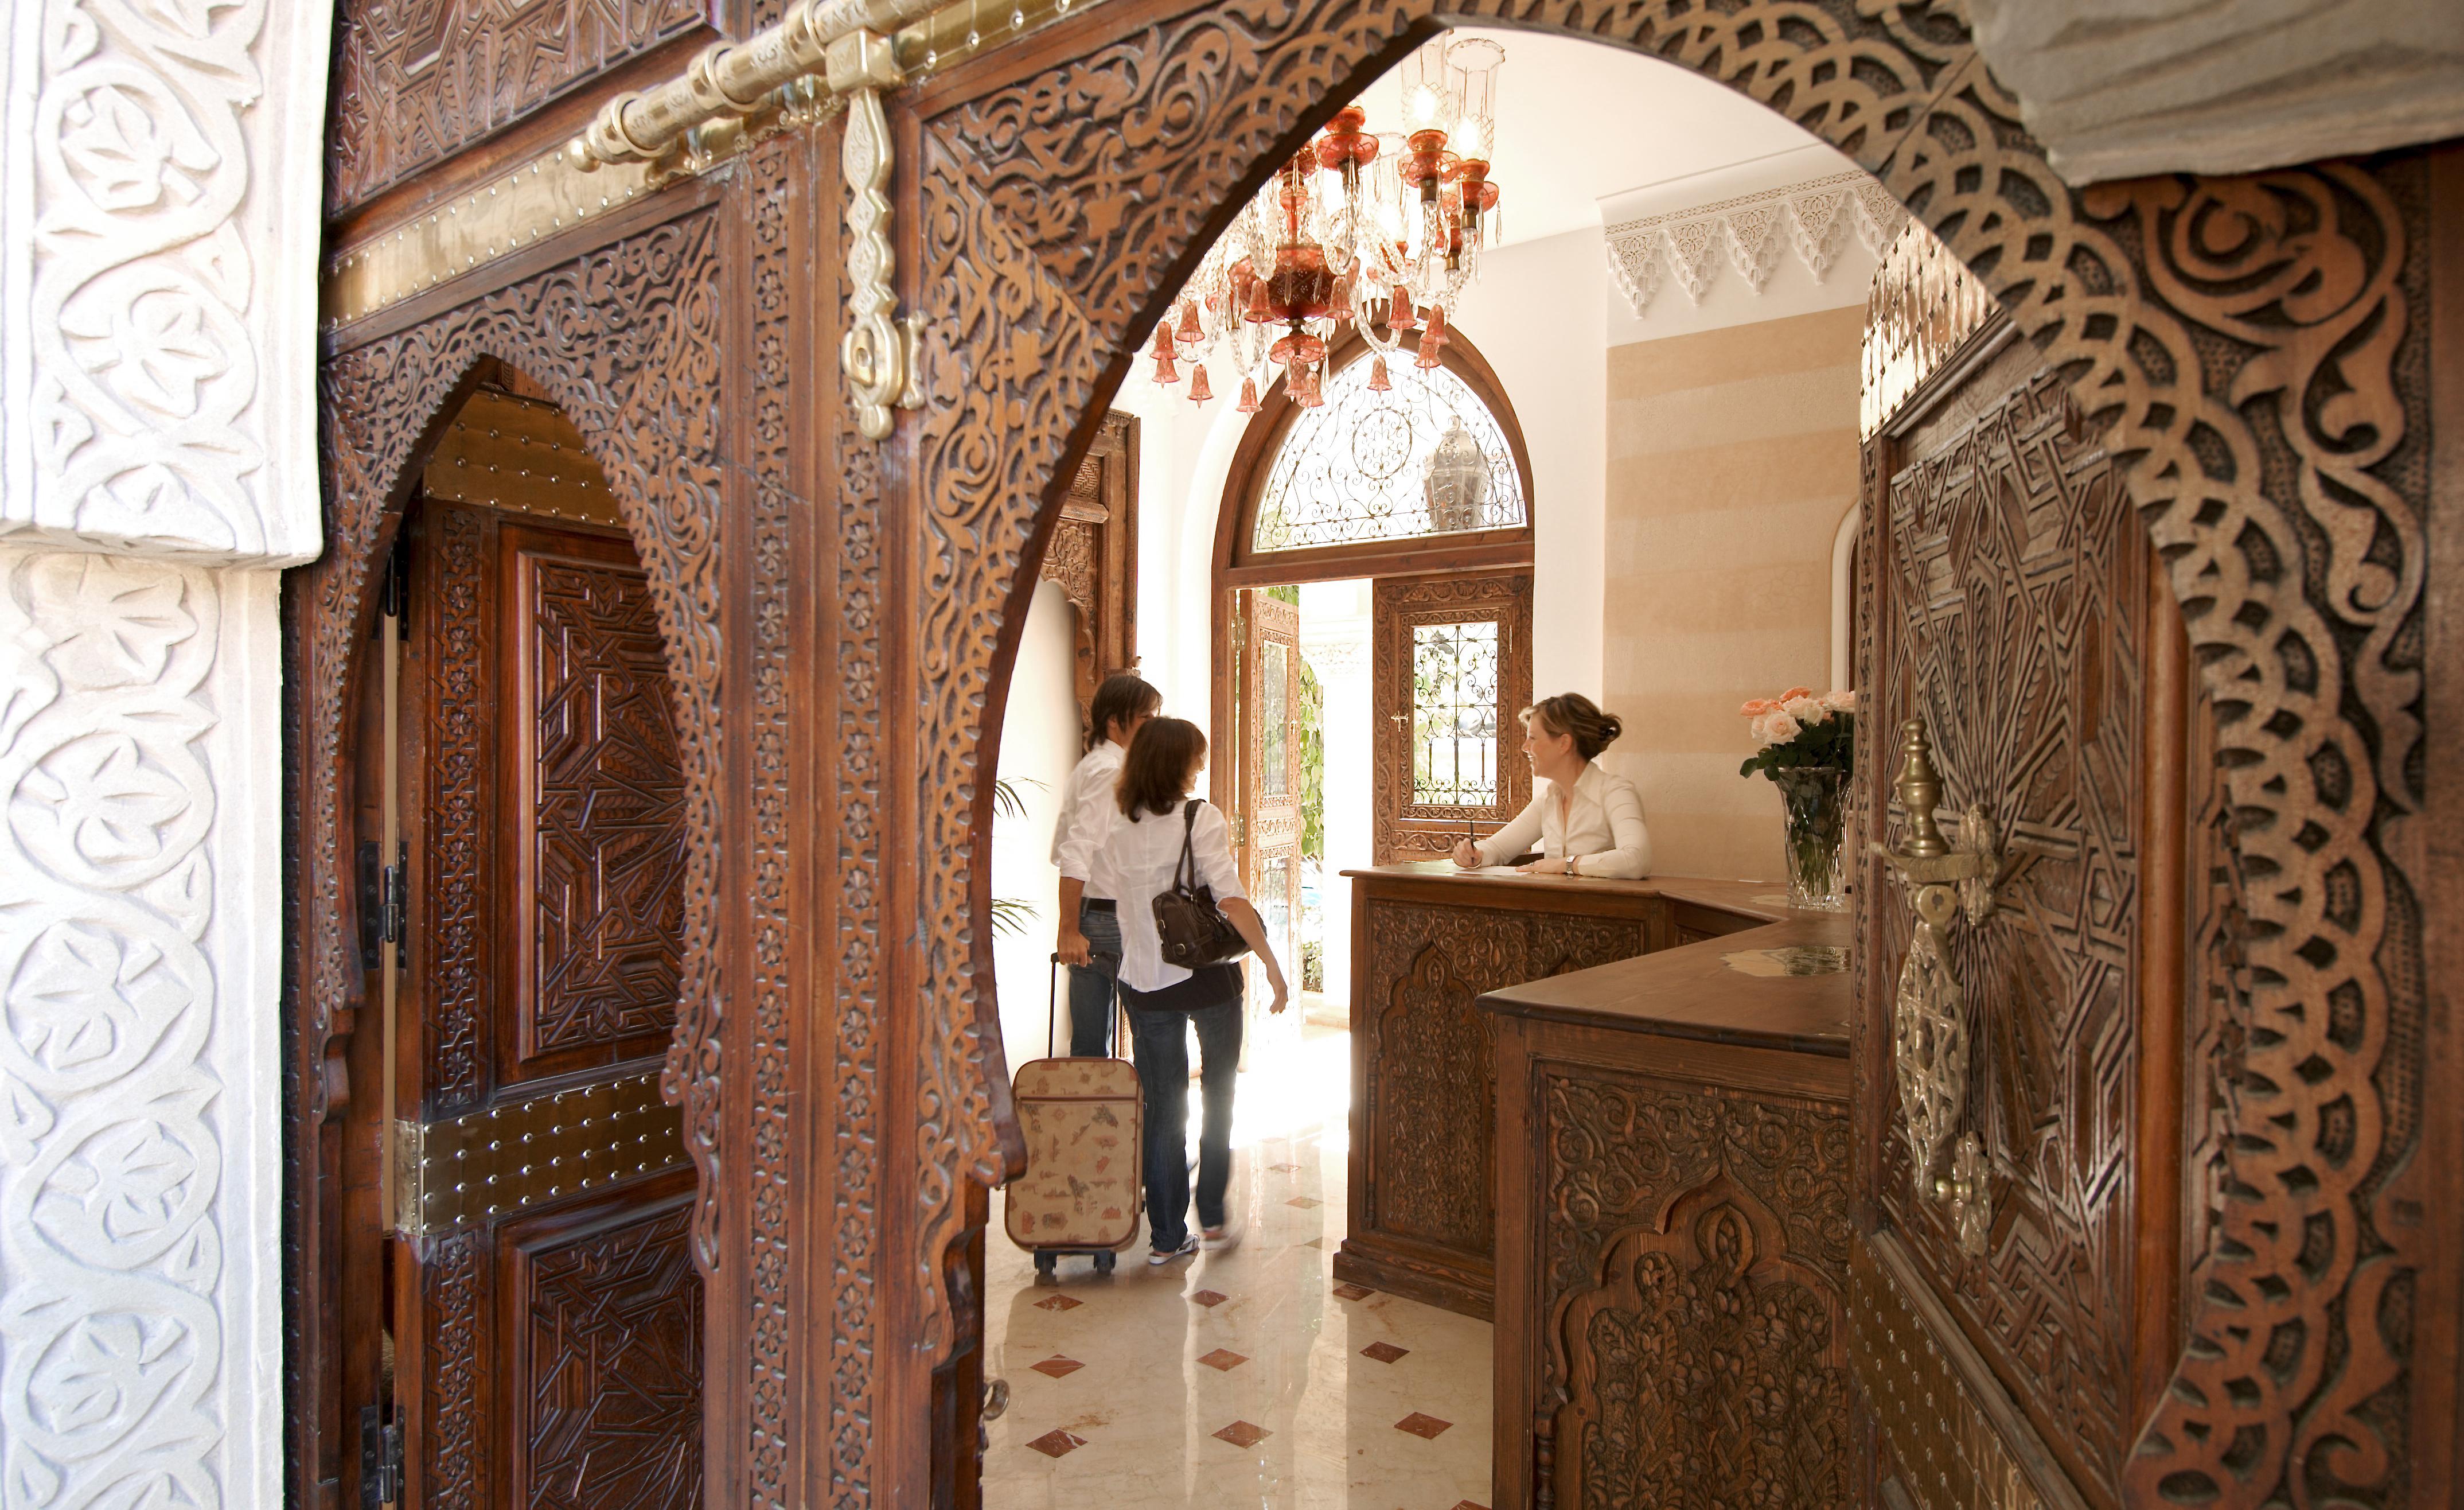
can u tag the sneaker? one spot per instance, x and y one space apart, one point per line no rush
1217 1240
1164 1256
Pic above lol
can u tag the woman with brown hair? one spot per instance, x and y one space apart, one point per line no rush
1588 822
1138 858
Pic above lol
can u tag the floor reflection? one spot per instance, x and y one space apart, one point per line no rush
1246 1377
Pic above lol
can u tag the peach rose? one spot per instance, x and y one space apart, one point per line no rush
1758 707
1776 728
1795 693
1840 701
1806 710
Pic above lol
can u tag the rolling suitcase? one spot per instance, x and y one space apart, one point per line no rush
1081 1192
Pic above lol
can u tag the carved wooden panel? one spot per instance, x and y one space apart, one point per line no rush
1405 828
2014 601
2249 345
455 606
1422 1200
416 81
1093 555
1696 1243
608 1363
603 806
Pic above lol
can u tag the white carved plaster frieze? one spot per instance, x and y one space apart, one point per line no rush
1748 234
2122 88
158 240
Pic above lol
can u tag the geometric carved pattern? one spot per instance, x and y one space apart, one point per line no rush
614 1361
1427 1069
456 1295
1697 1246
2013 578
608 805
418 79
2245 347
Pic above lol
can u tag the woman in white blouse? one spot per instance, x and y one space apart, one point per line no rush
1133 860
1587 822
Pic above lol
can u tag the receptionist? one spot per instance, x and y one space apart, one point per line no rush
1587 821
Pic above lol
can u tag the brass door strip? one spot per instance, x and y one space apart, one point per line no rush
503 1159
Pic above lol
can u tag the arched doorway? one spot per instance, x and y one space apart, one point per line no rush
2098 282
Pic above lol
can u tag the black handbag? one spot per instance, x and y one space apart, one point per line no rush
1192 929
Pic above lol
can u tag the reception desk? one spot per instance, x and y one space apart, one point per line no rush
1428 941
1672 1164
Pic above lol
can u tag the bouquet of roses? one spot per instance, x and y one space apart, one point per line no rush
1800 729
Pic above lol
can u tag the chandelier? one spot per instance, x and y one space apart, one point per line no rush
1376 232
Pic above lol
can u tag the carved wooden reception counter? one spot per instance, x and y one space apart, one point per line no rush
1673 1233
1427 940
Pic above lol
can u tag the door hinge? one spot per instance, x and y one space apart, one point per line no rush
409 1170
379 1458
385 904
1239 827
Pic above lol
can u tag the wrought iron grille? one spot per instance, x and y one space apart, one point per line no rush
1357 468
1454 715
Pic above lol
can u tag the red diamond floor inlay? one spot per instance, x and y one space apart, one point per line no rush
1314 1242
1304 1202
1208 1299
1223 1359
1241 1433
1383 1353
1057 1443
1419 1425
1059 1302
1352 1291
1057 1366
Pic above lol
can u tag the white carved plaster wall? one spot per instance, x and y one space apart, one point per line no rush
1785 234
2120 88
158 223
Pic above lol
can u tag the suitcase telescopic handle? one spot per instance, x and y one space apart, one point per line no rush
1051 1004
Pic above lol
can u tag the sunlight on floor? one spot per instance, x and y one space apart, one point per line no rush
1246 1377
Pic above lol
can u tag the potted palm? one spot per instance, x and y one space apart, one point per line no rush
1809 751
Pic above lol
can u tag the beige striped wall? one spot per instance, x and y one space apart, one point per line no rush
1731 462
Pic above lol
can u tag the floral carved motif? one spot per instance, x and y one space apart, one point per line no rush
625 340
2244 346
1696 1243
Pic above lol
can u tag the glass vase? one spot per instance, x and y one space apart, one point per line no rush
1815 798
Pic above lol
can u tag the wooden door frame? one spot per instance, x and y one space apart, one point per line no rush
1110 201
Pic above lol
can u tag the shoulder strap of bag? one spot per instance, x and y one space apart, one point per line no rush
1184 876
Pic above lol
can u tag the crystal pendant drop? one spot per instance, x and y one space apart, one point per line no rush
1200 390
1378 379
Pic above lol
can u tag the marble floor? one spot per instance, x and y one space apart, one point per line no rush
1246 1377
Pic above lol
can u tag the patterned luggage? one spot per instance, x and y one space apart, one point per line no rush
1081 1192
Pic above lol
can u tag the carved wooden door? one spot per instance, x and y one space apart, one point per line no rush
1450 668
547 1321
1095 557
2015 1307
1270 767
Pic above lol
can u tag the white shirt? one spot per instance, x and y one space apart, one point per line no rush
1138 859
1087 812
1604 828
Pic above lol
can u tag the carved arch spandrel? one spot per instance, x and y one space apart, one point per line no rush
2236 342
626 339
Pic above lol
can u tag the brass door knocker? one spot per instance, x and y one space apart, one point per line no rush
1929 1048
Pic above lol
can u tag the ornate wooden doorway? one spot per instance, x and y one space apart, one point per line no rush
524 1313
1450 671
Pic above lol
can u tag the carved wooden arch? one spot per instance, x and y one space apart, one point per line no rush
2245 343
1261 441
625 339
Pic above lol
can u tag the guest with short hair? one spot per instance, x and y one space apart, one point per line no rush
1090 935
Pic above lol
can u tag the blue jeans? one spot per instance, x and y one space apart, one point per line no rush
1091 987
1161 1042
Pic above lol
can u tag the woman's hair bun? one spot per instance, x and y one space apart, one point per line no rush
1573 713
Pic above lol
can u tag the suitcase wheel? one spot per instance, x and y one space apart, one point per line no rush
1104 1262
1044 1264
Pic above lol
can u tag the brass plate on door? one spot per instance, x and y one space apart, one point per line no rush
505 1159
